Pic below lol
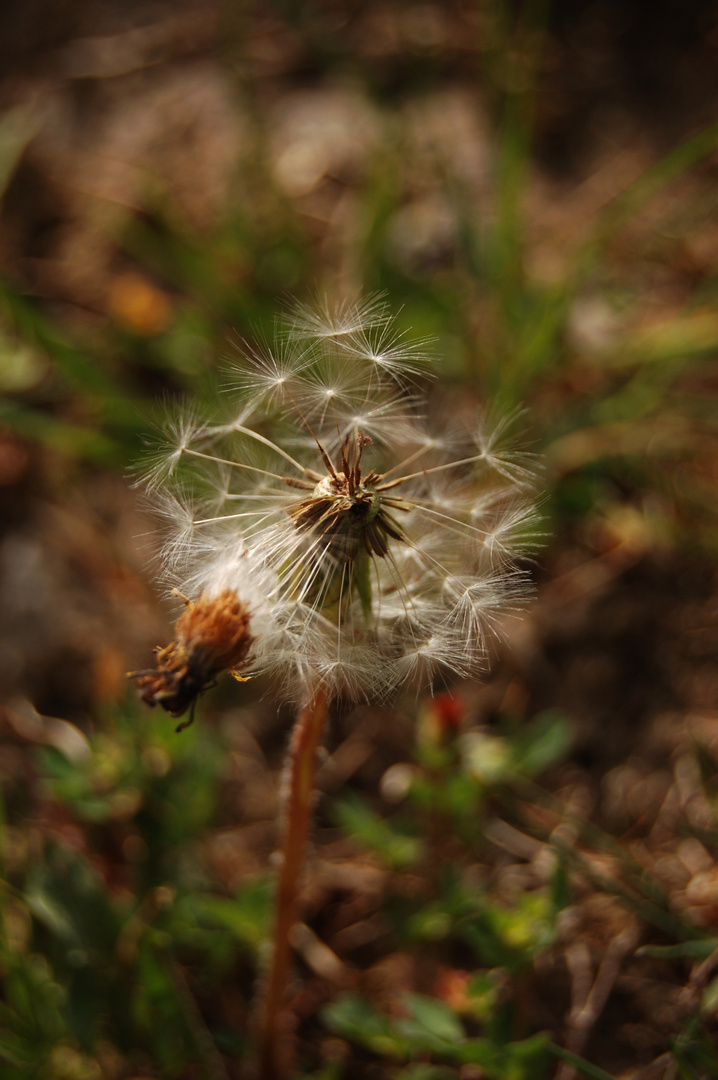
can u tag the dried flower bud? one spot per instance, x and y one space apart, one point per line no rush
211 636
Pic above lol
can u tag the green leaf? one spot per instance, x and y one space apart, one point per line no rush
356 1019
247 916
585 1068
434 1017
51 913
684 950
542 743
432 923
527 1059
396 848
560 886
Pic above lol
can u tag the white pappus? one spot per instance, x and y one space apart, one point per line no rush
369 546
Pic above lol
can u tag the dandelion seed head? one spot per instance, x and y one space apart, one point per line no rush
369 547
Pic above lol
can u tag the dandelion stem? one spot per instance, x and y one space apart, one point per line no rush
275 1050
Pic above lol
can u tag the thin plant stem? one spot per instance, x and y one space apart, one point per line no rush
274 1047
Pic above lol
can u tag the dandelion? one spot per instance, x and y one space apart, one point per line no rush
383 548
361 546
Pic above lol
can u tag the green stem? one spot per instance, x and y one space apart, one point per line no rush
275 1043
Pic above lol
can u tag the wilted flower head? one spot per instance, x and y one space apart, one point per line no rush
369 545
211 636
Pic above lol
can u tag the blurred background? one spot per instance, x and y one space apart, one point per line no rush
516 881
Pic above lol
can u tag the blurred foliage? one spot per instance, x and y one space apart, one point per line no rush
428 1026
96 955
130 955
643 426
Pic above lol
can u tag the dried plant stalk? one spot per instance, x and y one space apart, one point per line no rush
275 1049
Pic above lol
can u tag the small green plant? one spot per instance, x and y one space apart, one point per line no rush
99 925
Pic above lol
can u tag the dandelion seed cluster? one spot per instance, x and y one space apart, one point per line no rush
369 546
